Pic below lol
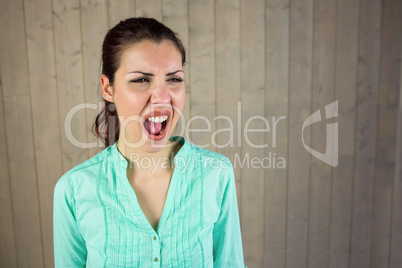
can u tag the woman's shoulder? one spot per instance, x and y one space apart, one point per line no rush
204 153
87 169
210 164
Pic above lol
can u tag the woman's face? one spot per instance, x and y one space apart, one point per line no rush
148 93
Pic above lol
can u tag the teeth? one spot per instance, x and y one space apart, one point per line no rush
158 119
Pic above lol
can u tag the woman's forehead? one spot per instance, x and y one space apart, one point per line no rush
148 56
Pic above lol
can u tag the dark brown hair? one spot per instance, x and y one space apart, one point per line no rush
120 37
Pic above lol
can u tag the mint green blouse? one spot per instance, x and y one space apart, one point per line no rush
99 223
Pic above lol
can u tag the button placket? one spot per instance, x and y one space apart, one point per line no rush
156 250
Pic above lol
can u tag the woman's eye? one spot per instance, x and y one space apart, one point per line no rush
140 80
175 79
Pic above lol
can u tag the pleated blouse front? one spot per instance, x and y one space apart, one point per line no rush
99 223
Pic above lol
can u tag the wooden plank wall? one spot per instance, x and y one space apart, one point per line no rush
264 65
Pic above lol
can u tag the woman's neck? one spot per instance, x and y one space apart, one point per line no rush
143 163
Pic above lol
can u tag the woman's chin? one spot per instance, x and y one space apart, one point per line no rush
147 142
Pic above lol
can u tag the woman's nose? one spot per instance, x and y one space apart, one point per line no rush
160 94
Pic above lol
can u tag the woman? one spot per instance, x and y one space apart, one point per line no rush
148 199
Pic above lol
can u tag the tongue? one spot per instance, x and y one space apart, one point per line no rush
154 128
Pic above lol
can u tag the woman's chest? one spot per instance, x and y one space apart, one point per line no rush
151 197
116 226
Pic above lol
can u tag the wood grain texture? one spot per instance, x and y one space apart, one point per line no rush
228 77
386 138
149 8
252 104
120 10
94 25
44 98
70 80
323 94
202 72
20 145
366 132
23 182
300 88
345 93
8 254
13 49
277 26
396 237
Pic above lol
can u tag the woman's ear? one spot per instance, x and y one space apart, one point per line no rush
107 91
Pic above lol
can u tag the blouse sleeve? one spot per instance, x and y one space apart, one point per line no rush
69 245
227 241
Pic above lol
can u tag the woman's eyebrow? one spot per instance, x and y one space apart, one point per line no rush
150 74
172 73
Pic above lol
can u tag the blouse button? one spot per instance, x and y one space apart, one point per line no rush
156 259
154 237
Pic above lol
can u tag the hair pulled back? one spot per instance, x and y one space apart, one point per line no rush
119 38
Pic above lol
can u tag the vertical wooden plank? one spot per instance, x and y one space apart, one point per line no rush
323 94
202 72
396 243
20 143
300 84
24 187
149 8
252 104
386 138
46 120
70 84
13 45
276 111
94 25
228 83
175 16
8 255
345 92
119 10
366 131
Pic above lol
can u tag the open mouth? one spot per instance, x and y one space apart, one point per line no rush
156 125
